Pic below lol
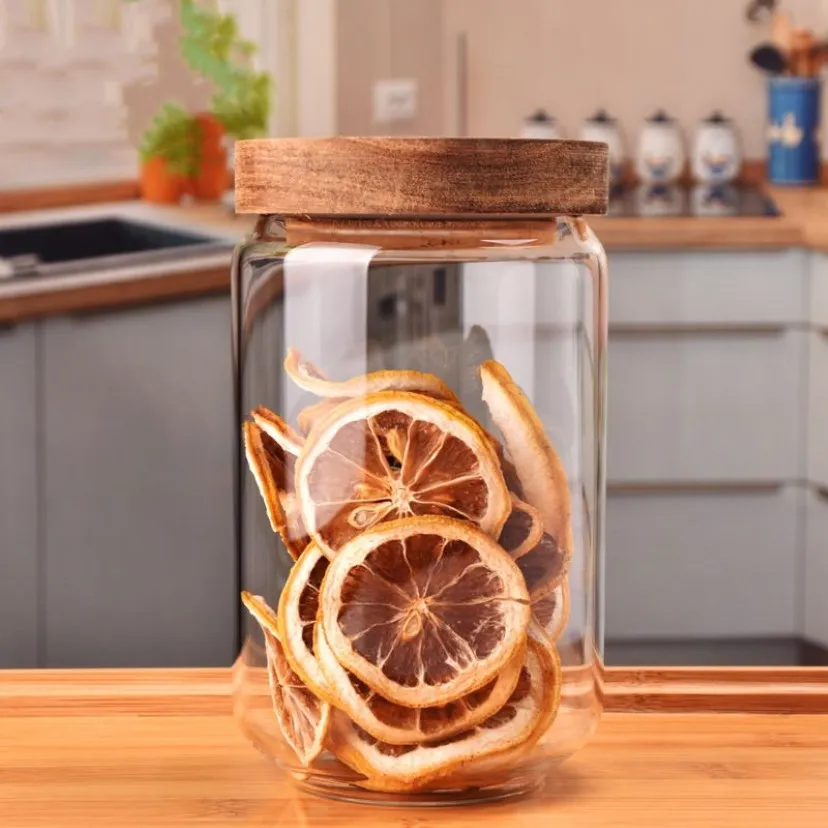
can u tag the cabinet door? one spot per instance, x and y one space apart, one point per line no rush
706 407
18 498
818 408
139 560
816 567
702 564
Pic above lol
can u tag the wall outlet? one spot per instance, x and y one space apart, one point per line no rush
395 100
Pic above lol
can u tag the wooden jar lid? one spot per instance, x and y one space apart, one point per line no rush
417 177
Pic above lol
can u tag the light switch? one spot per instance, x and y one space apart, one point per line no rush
395 99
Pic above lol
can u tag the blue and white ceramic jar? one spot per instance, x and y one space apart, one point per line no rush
793 130
660 155
716 156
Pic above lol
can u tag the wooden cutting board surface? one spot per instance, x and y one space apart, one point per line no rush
160 748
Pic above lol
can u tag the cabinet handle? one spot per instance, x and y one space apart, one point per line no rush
701 487
695 330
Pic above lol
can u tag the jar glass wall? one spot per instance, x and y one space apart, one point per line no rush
423 404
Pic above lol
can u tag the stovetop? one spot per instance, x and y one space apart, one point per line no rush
660 200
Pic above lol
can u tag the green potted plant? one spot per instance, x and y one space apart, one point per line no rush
169 154
240 106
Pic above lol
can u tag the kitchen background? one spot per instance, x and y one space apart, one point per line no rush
116 514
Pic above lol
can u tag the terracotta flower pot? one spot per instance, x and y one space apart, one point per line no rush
212 178
159 184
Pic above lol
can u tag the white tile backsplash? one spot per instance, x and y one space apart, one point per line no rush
63 67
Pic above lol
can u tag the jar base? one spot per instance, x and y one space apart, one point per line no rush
328 788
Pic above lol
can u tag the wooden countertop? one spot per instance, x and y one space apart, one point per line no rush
803 223
156 748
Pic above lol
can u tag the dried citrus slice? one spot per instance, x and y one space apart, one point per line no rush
539 469
400 725
309 378
273 469
303 719
490 769
277 429
406 767
523 529
298 607
309 416
544 565
395 454
424 610
550 610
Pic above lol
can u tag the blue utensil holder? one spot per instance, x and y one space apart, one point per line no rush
793 130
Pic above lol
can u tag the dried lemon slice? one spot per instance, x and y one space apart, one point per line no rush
523 529
309 416
424 610
550 610
406 767
273 469
395 454
544 565
310 378
400 725
277 429
539 469
298 608
303 719
491 768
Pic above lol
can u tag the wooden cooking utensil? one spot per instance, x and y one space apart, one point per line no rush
801 58
781 30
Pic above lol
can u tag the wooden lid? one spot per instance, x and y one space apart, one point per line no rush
438 177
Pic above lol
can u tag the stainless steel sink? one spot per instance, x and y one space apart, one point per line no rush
101 243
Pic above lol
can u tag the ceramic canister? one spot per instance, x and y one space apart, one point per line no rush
601 127
793 130
716 154
542 125
660 156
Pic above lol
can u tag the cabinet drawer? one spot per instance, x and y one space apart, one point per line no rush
741 288
819 290
816 566
712 407
702 564
818 409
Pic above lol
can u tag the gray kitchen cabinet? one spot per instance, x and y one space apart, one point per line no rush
18 497
703 564
703 407
816 566
818 408
708 383
138 547
819 291
731 289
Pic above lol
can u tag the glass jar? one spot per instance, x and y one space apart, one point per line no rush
420 339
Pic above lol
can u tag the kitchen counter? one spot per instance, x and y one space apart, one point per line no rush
27 298
803 223
160 748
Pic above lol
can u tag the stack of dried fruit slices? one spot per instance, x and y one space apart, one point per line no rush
415 636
